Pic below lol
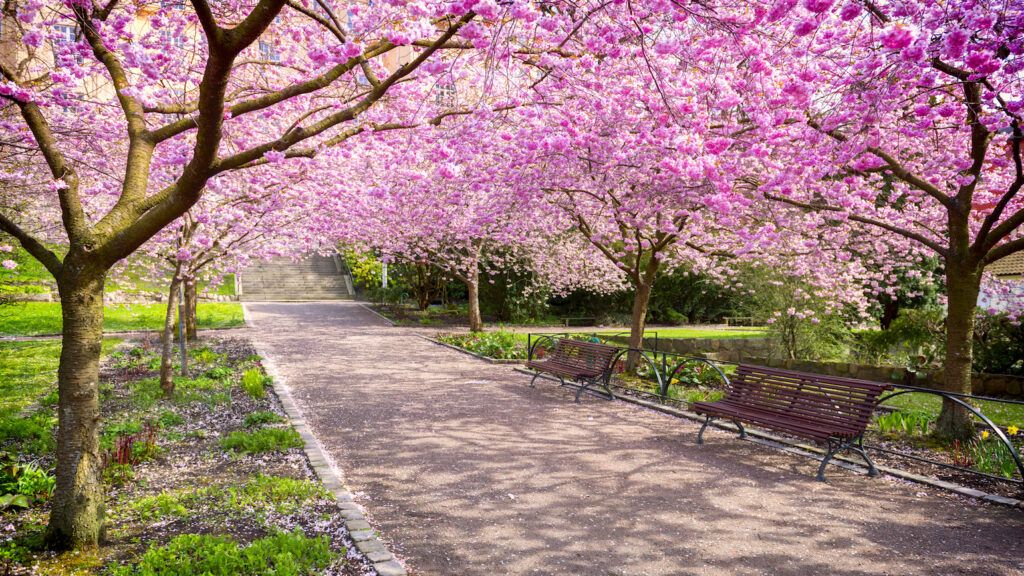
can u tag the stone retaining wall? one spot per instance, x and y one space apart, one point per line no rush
981 384
727 350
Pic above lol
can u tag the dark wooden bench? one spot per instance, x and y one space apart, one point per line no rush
579 321
828 410
587 364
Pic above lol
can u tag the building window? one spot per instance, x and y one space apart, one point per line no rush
268 52
173 38
172 4
444 94
65 35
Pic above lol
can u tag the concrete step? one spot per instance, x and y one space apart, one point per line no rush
314 278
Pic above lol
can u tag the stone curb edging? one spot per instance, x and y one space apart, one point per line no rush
809 451
378 314
471 353
369 545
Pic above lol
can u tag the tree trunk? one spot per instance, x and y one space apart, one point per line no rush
191 303
638 322
167 341
476 323
963 281
76 513
890 311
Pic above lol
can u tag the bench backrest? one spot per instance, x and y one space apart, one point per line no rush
590 358
813 397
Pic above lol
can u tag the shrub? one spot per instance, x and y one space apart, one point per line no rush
262 417
284 495
254 382
998 346
29 481
167 419
284 554
500 345
205 355
160 506
263 440
218 373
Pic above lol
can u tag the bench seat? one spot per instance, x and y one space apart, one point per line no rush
585 363
828 410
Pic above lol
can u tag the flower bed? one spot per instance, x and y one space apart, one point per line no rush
211 481
496 345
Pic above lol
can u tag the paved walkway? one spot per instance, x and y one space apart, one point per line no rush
467 471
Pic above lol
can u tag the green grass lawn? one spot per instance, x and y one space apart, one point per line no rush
1001 413
35 318
28 371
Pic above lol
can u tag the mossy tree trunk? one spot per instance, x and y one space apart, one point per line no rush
77 504
167 338
191 305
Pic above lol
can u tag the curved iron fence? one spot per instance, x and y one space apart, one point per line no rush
656 372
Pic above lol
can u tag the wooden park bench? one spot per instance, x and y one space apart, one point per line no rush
585 364
579 321
828 410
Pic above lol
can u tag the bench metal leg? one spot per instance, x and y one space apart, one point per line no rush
587 385
859 448
743 432
854 445
534 380
832 449
700 435
583 386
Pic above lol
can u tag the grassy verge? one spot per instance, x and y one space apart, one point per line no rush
35 318
28 377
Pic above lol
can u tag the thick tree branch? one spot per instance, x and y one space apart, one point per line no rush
32 246
896 167
987 238
933 245
300 134
72 214
1004 250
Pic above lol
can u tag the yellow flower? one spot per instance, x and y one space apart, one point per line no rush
1012 430
984 434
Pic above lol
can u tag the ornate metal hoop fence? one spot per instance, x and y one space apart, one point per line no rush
676 379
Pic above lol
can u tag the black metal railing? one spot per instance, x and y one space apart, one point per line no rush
653 373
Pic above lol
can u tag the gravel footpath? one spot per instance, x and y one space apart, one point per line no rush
465 471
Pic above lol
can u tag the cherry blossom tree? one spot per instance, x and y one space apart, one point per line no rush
905 117
438 206
240 218
641 153
126 110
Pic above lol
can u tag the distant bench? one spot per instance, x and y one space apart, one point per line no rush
739 320
825 409
579 321
587 364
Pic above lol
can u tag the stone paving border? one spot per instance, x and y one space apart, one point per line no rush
366 307
366 541
809 451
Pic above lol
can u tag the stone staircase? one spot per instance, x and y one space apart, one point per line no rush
315 278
